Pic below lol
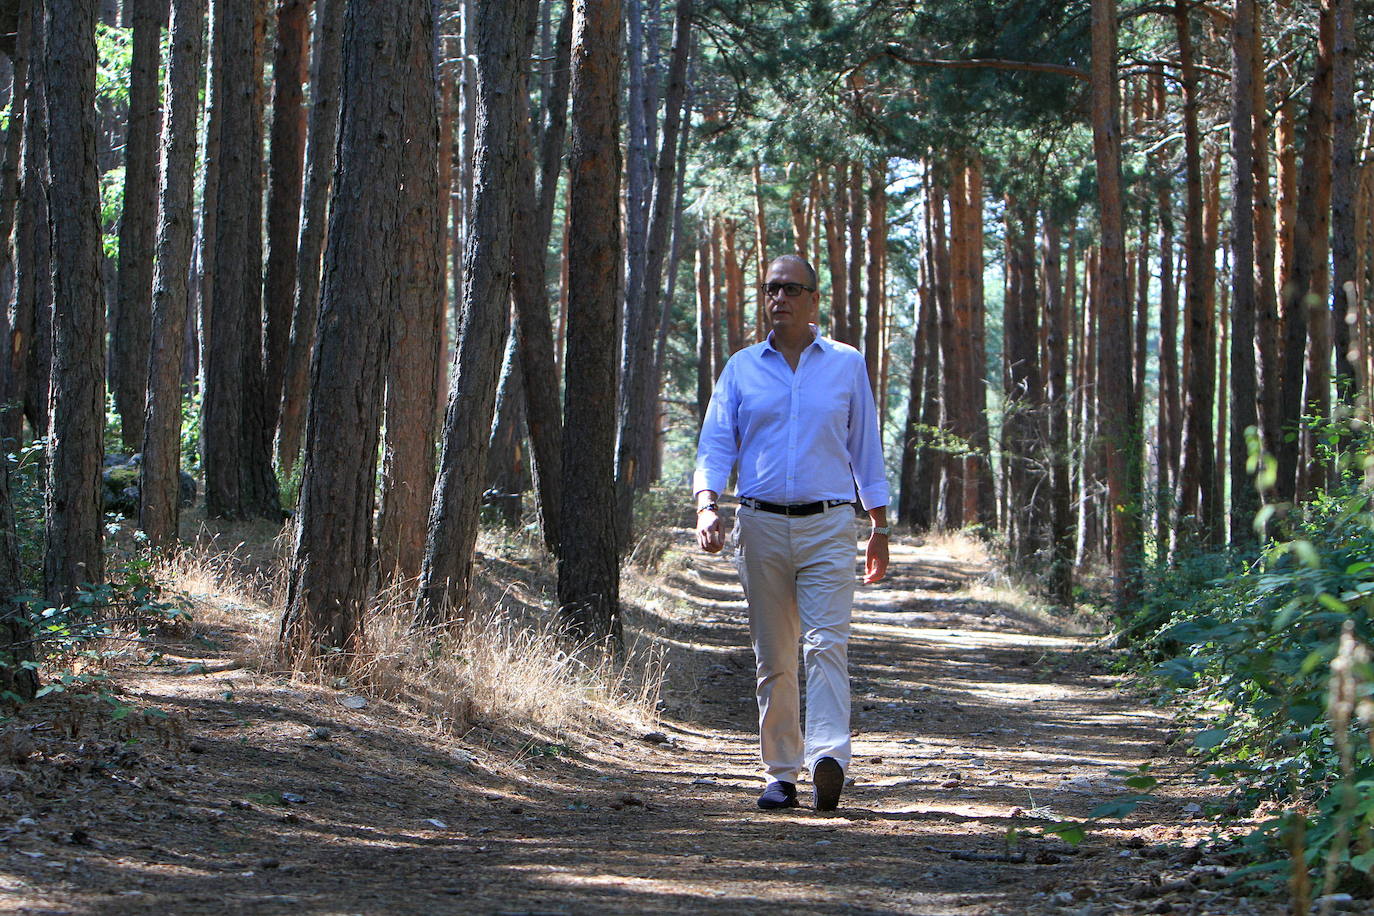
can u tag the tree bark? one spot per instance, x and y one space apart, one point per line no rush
129 330
1244 412
1197 476
952 375
159 484
534 222
286 178
638 408
503 45
1344 193
15 648
854 272
419 305
1170 429
320 154
588 578
835 256
1268 329
761 326
239 480
983 497
1119 410
331 561
72 512
873 320
12 382
30 350
705 328
1305 290
1059 585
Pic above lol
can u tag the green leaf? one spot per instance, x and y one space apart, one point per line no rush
1122 807
50 688
1332 603
1356 568
1143 783
1209 738
1363 862
1069 832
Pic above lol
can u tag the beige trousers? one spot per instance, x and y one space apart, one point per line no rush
798 578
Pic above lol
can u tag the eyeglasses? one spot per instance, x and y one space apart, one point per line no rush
791 290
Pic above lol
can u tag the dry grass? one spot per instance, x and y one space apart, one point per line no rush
508 668
1003 587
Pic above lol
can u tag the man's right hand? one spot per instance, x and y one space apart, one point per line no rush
709 533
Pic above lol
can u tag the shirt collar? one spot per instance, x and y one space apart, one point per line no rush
816 339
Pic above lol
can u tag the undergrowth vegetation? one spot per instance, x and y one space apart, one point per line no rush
1270 654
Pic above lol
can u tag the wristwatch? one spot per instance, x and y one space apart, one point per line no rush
709 507
882 529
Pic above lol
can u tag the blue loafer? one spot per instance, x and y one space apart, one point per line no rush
778 795
827 776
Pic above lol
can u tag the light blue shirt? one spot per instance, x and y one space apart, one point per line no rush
798 436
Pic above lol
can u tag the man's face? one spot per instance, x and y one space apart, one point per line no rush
790 311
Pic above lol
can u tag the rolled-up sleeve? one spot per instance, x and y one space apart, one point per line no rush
718 445
865 443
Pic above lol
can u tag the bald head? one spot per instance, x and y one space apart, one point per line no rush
801 262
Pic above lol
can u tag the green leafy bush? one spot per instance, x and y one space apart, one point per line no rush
1254 644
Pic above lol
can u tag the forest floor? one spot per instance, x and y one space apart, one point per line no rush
977 721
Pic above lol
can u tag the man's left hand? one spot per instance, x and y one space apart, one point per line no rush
875 559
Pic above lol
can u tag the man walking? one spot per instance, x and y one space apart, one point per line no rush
795 413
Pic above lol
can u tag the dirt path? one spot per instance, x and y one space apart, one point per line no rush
973 725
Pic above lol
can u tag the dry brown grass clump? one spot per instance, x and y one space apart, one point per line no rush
510 666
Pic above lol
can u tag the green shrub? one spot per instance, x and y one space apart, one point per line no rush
1253 644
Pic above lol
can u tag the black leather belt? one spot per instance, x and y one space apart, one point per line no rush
818 506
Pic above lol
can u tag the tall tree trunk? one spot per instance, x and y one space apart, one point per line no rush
503 45
15 648
239 480
129 331
854 272
1119 410
1244 412
534 222
1344 194
286 171
30 353
1024 394
922 505
760 256
910 504
71 555
980 473
11 381
331 561
1197 474
1170 429
1060 573
419 305
835 254
1212 509
873 321
705 327
734 287
589 577
952 376
1306 289
321 140
1268 329
159 484
503 477
638 409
